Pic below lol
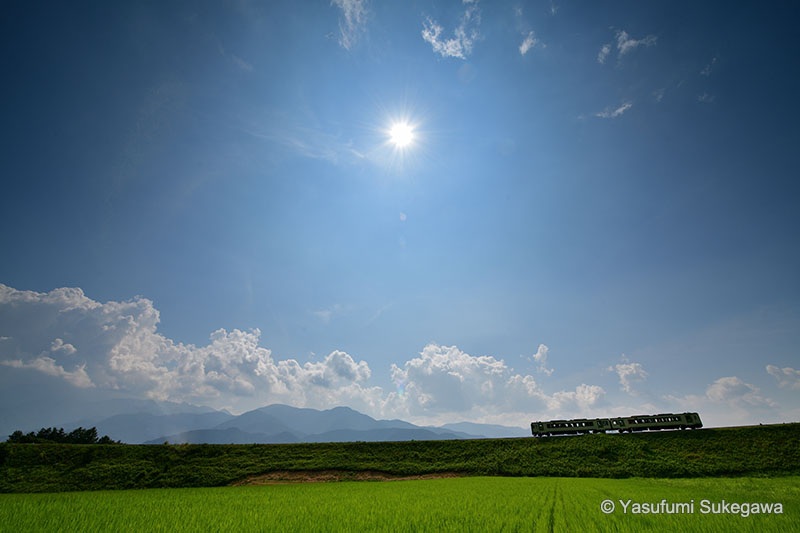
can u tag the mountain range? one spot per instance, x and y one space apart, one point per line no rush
277 424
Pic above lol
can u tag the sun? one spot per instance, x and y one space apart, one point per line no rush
401 134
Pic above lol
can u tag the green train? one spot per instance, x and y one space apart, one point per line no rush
628 424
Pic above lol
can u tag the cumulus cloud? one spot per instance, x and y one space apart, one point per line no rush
58 345
529 42
628 374
120 349
446 379
627 44
116 346
603 53
614 113
352 21
465 34
443 378
787 376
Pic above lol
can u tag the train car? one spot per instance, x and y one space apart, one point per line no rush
577 426
656 422
629 424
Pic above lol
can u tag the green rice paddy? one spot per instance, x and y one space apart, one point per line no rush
461 504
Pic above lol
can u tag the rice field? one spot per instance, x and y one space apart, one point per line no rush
460 504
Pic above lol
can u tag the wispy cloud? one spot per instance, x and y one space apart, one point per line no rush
787 377
529 42
706 98
614 113
47 365
465 34
707 70
326 314
241 63
352 22
628 374
303 135
658 94
603 53
627 44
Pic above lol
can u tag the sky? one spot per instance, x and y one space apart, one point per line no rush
589 209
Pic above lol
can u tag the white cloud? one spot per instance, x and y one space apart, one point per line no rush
614 113
541 357
352 22
603 53
119 348
658 94
626 44
735 391
707 70
529 42
122 350
628 374
583 397
787 376
444 379
465 34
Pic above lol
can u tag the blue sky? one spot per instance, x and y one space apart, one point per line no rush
597 213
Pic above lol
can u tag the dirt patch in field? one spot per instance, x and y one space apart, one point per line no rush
280 477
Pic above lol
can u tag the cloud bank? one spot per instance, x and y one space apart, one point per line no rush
116 346
66 337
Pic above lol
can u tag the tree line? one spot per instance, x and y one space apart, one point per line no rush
58 435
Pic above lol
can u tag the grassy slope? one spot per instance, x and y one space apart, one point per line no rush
748 451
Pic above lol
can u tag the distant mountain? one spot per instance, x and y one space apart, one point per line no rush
312 421
258 421
224 436
274 424
237 436
140 427
492 431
